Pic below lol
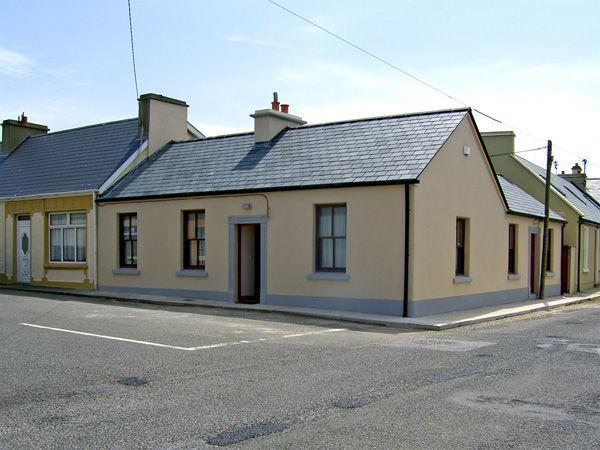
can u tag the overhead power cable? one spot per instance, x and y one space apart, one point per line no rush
417 79
520 151
137 93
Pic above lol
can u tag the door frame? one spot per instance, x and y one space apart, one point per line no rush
233 251
17 258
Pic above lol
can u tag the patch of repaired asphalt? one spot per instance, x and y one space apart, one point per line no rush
442 345
133 381
239 434
529 409
351 402
551 342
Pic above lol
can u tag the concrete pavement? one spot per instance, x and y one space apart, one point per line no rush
87 375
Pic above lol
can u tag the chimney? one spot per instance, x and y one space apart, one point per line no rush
161 120
577 177
14 131
499 142
269 122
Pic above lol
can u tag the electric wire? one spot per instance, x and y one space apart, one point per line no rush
415 78
137 92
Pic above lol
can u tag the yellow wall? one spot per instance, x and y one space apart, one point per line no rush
375 241
44 273
452 186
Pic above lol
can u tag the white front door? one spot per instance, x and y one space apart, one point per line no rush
23 249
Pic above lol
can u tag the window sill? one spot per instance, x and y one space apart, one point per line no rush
585 270
192 273
66 266
549 274
333 276
126 271
513 276
462 279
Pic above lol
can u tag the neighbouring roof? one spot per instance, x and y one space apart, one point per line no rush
70 160
375 150
520 202
593 188
569 191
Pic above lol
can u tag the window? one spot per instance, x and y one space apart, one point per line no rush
586 256
67 237
512 248
549 252
194 245
128 240
461 246
331 238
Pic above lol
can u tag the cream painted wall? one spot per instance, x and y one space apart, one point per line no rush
167 122
452 186
9 250
375 231
2 241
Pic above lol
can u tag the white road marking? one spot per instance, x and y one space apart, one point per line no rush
114 338
202 347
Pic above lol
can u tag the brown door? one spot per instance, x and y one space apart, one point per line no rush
249 263
564 269
532 264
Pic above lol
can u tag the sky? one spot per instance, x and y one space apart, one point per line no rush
533 64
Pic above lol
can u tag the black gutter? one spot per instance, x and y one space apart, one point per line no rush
579 255
262 189
406 245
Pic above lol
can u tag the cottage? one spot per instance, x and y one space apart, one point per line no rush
49 183
580 254
398 215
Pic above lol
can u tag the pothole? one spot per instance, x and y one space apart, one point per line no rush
133 381
239 434
351 402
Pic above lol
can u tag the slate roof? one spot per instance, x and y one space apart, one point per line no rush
69 160
593 188
375 150
520 202
569 191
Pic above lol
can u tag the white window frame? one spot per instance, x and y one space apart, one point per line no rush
66 226
586 247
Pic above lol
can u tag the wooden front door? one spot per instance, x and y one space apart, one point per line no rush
248 272
532 258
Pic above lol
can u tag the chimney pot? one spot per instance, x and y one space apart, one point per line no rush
285 108
275 102
576 169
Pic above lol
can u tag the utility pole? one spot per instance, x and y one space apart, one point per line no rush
546 219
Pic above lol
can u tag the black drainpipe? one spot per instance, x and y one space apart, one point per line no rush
406 244
579 255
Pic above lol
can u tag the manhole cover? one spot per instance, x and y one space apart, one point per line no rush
351 402
240 434
133 381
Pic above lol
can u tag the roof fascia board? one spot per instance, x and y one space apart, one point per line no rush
47 195
257 191
552 188
195 131
123 167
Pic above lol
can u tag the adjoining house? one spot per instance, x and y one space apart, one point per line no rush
49 183
580 254
592 187
398 215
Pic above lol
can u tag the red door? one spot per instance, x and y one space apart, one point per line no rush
532 264
564 269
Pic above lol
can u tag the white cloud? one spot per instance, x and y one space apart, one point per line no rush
14 64
247 40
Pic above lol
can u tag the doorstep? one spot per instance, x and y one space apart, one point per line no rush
432 322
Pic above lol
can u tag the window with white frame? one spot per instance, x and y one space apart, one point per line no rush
67 237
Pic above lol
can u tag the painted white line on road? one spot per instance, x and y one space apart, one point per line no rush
202 347
114 338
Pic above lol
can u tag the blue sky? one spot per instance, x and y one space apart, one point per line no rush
533 64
